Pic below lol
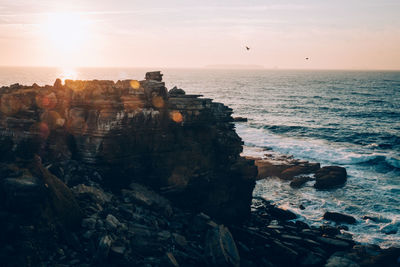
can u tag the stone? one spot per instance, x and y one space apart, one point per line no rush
297 182
104 247
221 248
337 261
111 222
335 243
282 214
140 194
285 168
171 260
330 177
176 91
303 168
89 223
312 259
339 217
180 239
154 75
97 194
239 119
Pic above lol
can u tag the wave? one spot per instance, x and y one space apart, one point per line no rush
318 150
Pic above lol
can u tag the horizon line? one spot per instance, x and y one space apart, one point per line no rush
207 67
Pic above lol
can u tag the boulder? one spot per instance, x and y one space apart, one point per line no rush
339 217
154 75
176 91
239 119
281 214
329 177
297 182
142 195
283 167
303 168
221 248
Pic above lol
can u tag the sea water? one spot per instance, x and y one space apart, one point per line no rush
345 118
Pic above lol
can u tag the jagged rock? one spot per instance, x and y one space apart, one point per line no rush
221 247
96 194
281 213
339 261
111 222
240 119
297 182
312 259
304 168
23 193
144 196
284 168
154 75
330 176
338 217
131 131
176 91
103 248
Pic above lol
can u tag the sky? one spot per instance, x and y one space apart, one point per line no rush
333 34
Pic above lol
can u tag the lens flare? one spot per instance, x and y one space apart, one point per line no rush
176 116
158 101
135 84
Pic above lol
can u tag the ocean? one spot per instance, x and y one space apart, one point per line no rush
345 118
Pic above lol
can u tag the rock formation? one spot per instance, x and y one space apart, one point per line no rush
133 131
97 173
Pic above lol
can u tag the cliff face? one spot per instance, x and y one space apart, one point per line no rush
133 131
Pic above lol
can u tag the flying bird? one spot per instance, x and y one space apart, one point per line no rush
248 48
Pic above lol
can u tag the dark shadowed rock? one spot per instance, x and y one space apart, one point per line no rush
154 75
284 167
297 182
282 214
330 176
145 196
221 248
304 168
339 217
129 131
239 119
176 91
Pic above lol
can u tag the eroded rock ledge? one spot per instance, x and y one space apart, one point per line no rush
133 131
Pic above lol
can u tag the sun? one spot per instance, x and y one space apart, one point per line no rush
66 32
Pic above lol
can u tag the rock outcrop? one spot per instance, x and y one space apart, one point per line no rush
133 131
330 176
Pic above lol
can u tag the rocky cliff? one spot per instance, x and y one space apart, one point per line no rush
98 173
129 131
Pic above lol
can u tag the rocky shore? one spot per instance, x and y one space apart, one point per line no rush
127 173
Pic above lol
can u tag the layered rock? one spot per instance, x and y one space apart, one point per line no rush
133 131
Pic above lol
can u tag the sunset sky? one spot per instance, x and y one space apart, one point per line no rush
351 34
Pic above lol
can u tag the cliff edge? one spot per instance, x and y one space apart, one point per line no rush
182 146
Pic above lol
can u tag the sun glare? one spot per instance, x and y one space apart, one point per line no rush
67 32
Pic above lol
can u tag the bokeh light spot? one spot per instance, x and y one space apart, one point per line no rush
158 101
135 84
176 116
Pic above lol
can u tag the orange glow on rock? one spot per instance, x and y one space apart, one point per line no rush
176 116
44 130
158 101
134 84
48 101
